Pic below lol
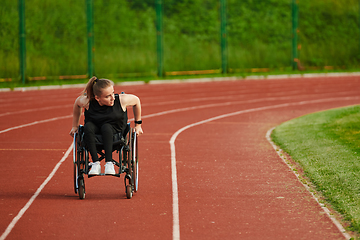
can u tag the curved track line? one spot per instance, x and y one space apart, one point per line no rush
176 217
32 199
178 110
279 152
238 102
292 93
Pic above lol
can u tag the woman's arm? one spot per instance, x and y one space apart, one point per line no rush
80 102
132 100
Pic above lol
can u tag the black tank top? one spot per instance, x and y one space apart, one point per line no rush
100 115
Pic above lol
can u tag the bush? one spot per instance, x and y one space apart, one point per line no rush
259 35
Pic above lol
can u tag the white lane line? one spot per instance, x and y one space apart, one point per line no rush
175 191
293 94
237 102
34 123
280 152
32 199
34 110
177 110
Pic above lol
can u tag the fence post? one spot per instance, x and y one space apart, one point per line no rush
22 40
90 36
159 36
295 20
223 32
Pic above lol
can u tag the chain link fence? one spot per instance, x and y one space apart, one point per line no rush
46 39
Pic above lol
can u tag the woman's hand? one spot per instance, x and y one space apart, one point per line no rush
138 129
73 131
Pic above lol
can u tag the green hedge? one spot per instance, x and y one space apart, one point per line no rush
259 35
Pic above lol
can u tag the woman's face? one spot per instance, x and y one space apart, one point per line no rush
107 97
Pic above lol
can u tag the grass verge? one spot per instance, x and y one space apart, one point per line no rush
326 145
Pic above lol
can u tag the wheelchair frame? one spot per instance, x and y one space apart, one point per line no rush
127 149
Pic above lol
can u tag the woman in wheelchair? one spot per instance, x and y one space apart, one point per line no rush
105 114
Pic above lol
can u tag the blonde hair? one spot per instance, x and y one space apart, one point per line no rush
95 87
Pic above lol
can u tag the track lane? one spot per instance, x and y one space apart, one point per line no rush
154 152
212 201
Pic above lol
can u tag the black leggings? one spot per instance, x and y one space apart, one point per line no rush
107 132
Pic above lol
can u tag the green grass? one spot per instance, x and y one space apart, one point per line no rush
327 147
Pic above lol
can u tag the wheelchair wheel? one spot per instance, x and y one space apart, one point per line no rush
129 177
81 188
76 156
123 157
131 156
75 178
129 191
81 170
80 159
135 163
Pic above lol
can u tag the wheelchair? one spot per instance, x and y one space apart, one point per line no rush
126 147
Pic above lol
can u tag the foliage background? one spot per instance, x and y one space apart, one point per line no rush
259 35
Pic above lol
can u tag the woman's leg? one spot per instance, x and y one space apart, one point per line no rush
90 129
107 132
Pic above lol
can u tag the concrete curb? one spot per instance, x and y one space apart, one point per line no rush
193 80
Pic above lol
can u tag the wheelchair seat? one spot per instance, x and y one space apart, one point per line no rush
118 138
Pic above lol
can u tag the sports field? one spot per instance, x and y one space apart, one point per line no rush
207 170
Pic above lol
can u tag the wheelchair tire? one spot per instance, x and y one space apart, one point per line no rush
123 156
135 163
133 168
130 184
129 192
81 188
75 162
75 178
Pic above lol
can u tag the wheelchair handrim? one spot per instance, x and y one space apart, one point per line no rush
76 176
135 162
74 149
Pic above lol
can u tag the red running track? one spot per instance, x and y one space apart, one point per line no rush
226 181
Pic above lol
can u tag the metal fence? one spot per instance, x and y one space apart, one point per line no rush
158 42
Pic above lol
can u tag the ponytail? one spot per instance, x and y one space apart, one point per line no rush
95 86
